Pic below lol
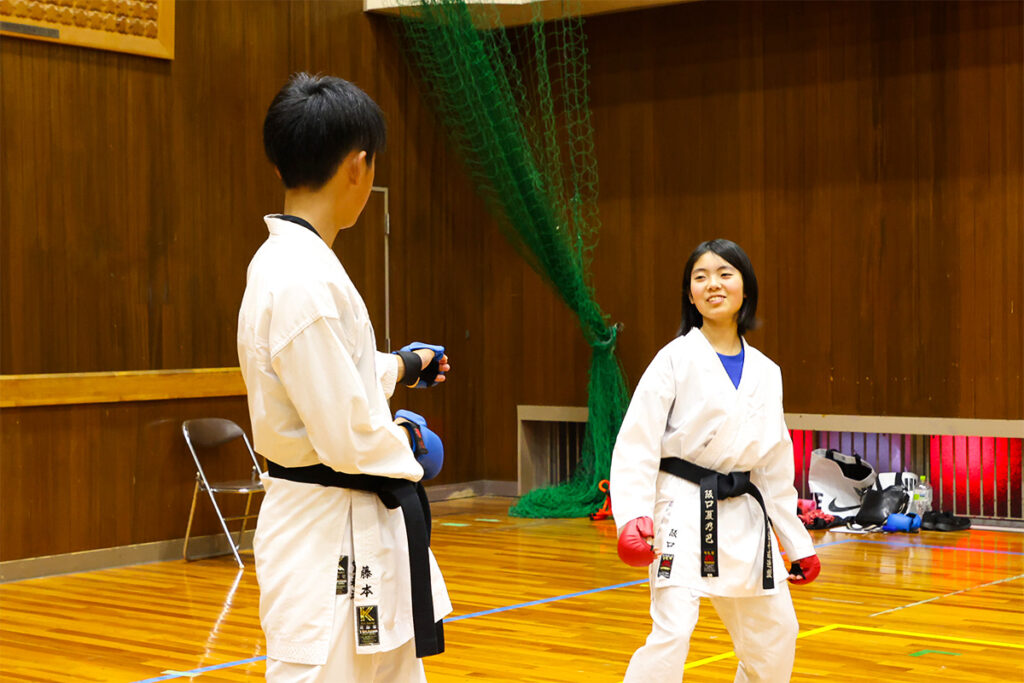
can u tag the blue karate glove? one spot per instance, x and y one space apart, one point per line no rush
416 376
426 445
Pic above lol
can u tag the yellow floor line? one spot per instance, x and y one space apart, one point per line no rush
957 639
870 629
732 653
708 660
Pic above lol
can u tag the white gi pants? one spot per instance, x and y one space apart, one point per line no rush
345 666
763 630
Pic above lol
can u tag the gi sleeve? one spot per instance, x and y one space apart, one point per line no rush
775 481
387 372
637 453
330 397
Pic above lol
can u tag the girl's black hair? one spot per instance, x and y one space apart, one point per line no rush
738 259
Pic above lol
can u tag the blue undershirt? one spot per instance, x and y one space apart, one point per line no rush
733 366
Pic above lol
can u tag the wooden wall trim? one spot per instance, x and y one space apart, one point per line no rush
884 424
880 424
146 29
113 387
202 547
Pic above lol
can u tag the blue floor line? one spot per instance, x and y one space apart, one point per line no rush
841 540
556 598
545 600
205 669
496 610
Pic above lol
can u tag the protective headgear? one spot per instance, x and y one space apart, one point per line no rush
838 481
426 445
416 376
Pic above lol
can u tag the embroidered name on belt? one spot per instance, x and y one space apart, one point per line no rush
368 628
709 530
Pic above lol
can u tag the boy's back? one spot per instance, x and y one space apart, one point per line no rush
297 289
346 579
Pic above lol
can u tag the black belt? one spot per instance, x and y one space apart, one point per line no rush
715 486
412 498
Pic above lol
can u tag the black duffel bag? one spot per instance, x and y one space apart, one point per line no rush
876 506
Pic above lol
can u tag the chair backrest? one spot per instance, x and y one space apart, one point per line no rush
211 432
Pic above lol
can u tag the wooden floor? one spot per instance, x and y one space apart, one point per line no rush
547 600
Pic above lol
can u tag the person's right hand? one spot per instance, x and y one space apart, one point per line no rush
635 542
805 570
426 355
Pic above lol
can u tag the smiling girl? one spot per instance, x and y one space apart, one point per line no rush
701 474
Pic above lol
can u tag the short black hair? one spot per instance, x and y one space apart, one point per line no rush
730 251
314 122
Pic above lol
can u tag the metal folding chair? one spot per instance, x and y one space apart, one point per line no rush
204 437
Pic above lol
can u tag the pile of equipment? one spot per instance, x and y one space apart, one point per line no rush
847 490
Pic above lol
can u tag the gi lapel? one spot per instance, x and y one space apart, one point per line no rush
738 401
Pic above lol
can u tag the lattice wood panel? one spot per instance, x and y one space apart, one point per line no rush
144 27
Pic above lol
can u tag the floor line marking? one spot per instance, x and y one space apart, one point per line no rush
900 544
714 658
732 653
542 601
206 669
939 597
850 627
837 542
912 634
192 673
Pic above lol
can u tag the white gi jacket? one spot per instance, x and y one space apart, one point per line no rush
685 406
316 388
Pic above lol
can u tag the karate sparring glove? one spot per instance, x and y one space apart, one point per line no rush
415 375
426 445
805 569
634 549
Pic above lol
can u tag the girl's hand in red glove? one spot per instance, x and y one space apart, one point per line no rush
635 541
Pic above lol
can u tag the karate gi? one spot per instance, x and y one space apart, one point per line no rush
685 406
332 563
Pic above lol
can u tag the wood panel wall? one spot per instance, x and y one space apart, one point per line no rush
103 475
133 196
867 155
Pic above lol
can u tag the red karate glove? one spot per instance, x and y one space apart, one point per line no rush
635 547
804 570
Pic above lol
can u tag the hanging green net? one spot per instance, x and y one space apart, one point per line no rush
515 104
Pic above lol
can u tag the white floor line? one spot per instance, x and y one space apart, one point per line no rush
1011 529
940 597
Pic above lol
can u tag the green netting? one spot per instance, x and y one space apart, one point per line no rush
515 104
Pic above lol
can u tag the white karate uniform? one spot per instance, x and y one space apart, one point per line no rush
687 407
317 392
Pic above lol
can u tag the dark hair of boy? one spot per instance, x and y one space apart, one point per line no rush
312 125
733 254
